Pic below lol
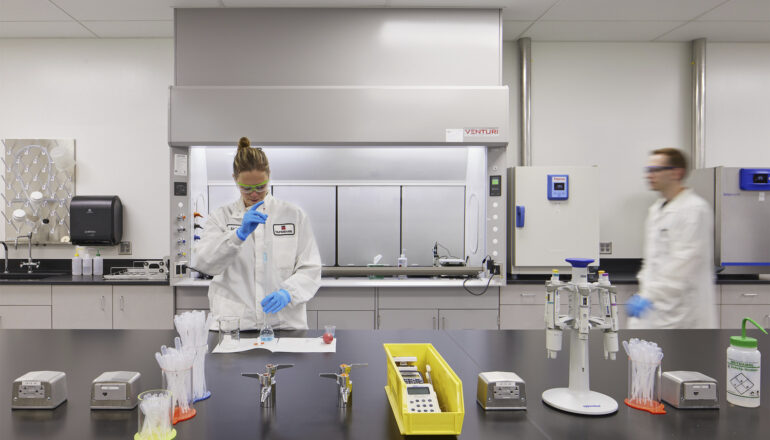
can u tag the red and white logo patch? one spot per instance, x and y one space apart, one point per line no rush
283 229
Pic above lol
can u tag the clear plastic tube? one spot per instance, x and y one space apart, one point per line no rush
155 416
179 382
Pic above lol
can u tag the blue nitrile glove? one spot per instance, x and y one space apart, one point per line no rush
637 305
251 219
275 301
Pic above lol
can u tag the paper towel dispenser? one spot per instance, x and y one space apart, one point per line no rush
96 220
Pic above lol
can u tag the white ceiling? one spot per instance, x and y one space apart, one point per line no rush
542 20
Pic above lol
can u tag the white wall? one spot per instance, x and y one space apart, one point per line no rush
609 104
593 103
111 96
738 104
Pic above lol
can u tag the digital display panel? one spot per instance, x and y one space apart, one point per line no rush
558 186
417 390
760 178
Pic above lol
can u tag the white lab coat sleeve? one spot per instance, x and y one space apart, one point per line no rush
305 280
641 277
669 288
218 247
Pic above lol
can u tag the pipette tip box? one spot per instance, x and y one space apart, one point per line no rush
39 390
115 390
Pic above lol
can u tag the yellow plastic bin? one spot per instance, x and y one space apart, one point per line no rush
448 387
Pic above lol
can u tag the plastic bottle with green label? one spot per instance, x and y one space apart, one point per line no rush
743 362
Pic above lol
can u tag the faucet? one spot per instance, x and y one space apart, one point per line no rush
344 384
29 264
267 383
5 246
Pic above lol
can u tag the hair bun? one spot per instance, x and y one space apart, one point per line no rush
244 142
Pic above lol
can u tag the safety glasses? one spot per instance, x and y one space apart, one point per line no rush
655 169
260 187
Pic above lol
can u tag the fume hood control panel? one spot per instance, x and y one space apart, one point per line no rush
181 224
558 186
495 186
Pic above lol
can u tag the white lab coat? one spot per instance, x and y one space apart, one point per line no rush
678 269
241 278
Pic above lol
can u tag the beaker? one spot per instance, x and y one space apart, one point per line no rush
179 382
644 386
155 416
328 335
229 331
200 392
266 334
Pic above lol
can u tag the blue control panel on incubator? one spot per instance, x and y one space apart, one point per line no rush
558 186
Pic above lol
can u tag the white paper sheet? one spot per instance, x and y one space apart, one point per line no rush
280 345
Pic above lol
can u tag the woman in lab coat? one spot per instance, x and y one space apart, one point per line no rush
261 251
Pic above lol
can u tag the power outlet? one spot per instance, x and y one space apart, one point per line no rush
605 247
124 248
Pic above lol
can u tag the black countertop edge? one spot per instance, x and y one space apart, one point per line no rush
630 278
623 271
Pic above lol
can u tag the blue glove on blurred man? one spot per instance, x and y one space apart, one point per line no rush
251 219
637 306
276 301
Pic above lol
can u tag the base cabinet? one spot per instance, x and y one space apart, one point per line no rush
410 319
82 307
142 307
25 317
468 319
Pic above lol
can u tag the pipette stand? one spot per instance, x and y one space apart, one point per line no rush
578 397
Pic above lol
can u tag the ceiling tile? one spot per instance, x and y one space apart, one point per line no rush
513 29
740 10
480 4
131 29
44 29
108 10
726 31
599 30
303 3
30 10
636 10
526 9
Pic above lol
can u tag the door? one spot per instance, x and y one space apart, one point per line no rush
81 307
416 319
742 226
143 307
545 232
468 319
347 319
25 317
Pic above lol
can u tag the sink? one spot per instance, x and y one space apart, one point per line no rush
28 276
